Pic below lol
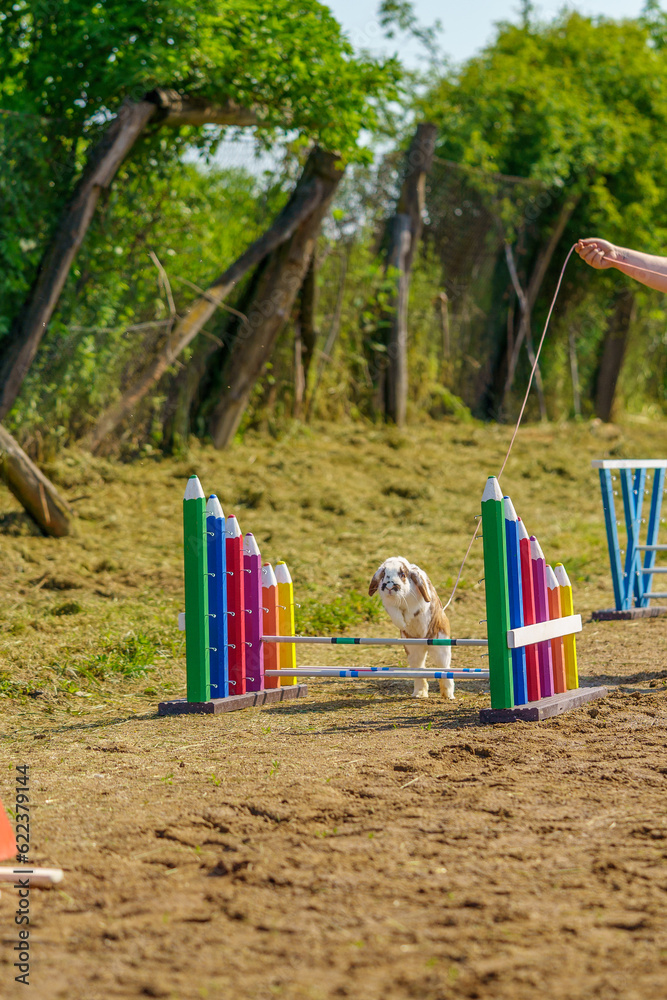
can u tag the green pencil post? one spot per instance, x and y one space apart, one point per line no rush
197 655
497 597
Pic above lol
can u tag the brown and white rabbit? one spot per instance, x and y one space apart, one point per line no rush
414 607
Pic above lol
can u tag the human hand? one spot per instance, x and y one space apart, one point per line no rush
594 251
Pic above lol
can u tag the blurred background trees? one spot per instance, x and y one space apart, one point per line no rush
555 131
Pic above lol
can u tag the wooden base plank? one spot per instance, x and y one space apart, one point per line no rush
252 699
611 614
535 711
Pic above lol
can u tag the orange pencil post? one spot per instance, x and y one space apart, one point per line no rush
569 642
287 652
557 648
271 624
7 838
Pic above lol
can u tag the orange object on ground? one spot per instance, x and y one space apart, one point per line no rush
7 838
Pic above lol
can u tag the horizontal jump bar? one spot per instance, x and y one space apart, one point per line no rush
344 641
529 634
652 594
655 569
379 673
653 548
629 463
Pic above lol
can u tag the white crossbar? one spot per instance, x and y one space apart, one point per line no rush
629 463
529 634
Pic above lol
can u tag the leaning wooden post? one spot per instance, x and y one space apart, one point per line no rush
497 596
196 592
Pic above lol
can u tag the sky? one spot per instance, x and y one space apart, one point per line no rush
467 24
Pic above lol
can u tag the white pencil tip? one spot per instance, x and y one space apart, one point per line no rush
268 576
250 547
552 582
232 529
213 508
492 490
282 573
193 490
535 550
510 513
521 529
561 575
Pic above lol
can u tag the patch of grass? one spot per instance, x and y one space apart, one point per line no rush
68 608
318 618
131 657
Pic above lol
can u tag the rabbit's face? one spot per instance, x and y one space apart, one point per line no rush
399 582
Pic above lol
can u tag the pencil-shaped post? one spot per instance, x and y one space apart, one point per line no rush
271 623
254 657
287 652
527 590
569 641
497 597
542 615
235 604
557 648
515 599
217 598
196 592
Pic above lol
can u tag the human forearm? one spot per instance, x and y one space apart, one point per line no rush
646 268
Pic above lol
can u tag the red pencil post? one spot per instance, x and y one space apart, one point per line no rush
235 606
557 648
532 664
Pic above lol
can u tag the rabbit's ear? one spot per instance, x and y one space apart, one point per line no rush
420 581
376 581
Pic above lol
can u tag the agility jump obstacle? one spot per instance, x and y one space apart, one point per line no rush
633 577
234 661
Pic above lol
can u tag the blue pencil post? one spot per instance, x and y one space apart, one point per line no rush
217 598
516 599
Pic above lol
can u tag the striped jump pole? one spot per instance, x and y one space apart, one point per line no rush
381 672
343 640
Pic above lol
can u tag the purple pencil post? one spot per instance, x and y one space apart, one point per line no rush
539 564
252 564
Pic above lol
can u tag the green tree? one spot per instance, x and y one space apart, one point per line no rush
577 107
100 77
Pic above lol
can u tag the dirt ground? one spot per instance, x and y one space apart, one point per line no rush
357 843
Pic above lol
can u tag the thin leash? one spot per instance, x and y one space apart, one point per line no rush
521 412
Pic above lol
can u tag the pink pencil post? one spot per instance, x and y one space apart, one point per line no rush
254 657
557 649
271 622
542 615
235 603
532 663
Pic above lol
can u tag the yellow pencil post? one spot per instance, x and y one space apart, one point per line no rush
286 621
569 643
